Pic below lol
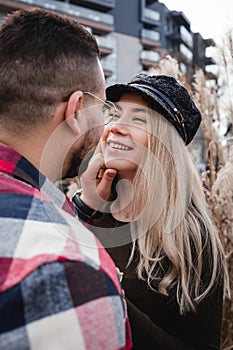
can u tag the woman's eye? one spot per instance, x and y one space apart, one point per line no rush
115 116
139 119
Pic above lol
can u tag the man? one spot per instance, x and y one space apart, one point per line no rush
58 287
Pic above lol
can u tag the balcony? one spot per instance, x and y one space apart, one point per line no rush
103 5
149 2
209 61
187 54
180 19
186 36
149 58
180 38
150 17
108 49
150 38
209 42
106 44
175 37
100 22
109 65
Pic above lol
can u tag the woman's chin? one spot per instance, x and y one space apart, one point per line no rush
113 163
121 165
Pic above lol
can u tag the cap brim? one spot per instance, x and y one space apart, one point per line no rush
114 93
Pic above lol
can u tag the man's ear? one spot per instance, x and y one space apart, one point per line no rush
73 106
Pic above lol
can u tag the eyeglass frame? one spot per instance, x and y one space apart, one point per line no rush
107 103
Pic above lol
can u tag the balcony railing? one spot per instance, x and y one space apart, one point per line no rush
180 18
152 56
109 64
104 4
86 16
106 44
149 16
186 36
150 38
186 52
152 35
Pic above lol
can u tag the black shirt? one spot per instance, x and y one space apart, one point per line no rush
155 320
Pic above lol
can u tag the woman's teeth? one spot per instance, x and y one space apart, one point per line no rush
118 146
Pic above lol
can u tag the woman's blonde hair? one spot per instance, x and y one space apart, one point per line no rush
178 244
179 248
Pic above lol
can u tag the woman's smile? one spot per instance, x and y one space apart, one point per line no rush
118 146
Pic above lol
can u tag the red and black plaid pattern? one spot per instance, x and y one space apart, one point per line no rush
58 287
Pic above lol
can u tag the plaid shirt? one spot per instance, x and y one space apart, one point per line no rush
58 287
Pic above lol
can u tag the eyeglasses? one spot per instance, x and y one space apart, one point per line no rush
109 109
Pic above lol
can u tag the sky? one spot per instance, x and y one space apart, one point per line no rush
211 18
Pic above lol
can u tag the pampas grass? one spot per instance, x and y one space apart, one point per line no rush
218 176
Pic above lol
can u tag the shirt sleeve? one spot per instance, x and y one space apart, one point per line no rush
64 305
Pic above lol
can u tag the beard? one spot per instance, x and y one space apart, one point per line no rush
79 158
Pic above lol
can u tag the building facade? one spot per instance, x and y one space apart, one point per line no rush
133 35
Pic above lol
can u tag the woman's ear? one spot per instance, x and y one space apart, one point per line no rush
72 110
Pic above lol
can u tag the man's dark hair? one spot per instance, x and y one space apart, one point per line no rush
44 57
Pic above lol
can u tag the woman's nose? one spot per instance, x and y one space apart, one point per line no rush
119 127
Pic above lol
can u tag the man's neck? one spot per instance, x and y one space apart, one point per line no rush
30 147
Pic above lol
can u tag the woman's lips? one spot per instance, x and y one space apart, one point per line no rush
119 146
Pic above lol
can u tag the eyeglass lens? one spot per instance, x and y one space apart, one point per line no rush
109 110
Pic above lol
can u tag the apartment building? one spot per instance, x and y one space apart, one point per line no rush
133 35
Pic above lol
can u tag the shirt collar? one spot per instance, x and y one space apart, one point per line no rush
15 165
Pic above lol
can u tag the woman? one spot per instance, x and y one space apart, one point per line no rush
155 223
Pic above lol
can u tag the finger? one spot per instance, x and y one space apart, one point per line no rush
105 185
109 175
96 162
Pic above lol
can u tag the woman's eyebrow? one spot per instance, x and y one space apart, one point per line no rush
138 110
134 109
118 106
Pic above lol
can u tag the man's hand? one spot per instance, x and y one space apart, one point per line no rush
96 191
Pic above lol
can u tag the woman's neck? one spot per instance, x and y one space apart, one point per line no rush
122 209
